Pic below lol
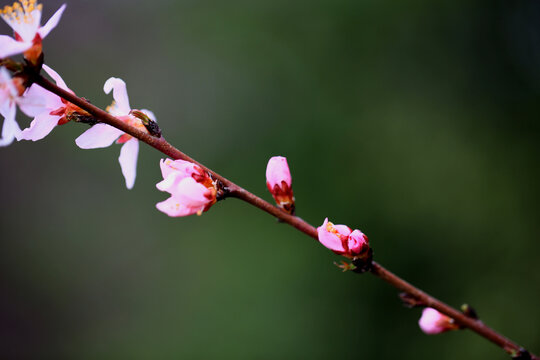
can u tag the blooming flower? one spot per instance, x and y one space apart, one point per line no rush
433 322
342 240
48 109
279 183
103 135
192 190
9 97
24 17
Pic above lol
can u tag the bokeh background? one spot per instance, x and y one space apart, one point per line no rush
415 121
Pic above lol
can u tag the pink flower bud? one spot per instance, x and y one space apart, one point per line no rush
343 241
357 242
279 183
192 190
433 322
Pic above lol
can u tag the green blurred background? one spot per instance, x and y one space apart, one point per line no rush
415 121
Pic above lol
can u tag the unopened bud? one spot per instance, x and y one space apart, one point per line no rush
343 241
433 322
279 183
469 311
521 354
148 123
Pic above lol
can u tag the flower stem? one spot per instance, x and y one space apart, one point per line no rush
160 144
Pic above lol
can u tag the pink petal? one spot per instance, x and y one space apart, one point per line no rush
277 171
331 241
10 129
431 321
56 77
9 46
328 239
191 193
168 184
343 229
356 241
128 161
168 166
173 173
118 87
173 207
98 136
40 127
51 24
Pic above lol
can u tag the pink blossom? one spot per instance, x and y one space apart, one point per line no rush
279 183
433 322
103 135
24 18
342 240
48 109
192 189
9 98
334 237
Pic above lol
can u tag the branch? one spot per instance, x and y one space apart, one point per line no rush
160 144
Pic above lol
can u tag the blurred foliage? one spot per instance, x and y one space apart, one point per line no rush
415 121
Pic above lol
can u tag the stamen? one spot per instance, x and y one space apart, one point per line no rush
110 107
21 11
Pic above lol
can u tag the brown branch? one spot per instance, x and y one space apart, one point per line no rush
163 146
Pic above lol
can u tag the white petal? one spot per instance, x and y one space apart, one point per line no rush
9 46
33 101
98 136
128 161
37 100
118 87
168 183
40 127
7 89
56 77
51 24
10 129
173 207
191 193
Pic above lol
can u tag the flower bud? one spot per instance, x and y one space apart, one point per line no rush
279 183
433 322
358 243
150 124
343 241
192 190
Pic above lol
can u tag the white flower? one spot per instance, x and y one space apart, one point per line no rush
47 109
9 98
24 17
103 135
